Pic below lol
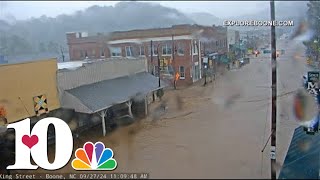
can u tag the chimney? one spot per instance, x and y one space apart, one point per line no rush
71 36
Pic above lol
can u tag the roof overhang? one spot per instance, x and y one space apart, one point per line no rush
101 95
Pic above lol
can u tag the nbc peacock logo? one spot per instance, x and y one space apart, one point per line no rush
94 157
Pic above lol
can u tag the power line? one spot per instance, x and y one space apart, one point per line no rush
265 99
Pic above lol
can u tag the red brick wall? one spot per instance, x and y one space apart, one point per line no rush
87 44
76 45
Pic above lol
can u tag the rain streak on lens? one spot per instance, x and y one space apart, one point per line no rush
304 107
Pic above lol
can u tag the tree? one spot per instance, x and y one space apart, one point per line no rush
313 13
53 47
15 45
231 55
42 47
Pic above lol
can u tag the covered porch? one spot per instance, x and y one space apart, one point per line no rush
97 98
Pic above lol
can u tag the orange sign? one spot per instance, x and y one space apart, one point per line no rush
177 76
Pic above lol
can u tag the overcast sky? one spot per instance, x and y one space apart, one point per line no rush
26 9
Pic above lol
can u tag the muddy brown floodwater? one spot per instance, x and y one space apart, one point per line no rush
217 131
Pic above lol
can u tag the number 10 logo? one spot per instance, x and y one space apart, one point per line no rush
35 144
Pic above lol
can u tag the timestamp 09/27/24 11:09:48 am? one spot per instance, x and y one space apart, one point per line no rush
77 176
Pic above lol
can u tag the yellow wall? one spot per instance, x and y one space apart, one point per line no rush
27 80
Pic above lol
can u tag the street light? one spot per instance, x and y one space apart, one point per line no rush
205 75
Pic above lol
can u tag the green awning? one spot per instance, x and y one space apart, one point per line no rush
224 59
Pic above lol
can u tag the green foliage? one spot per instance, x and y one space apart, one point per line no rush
14 45
314 22
53 47
314 15
48 34
42 47
231 55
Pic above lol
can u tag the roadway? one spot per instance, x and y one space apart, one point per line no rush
217 131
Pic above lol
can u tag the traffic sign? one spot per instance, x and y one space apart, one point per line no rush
313 76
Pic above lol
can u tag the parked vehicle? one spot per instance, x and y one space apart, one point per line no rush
242 63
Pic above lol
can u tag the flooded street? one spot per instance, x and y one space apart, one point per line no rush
217 131
163 89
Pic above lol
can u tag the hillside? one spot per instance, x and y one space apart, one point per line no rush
47 34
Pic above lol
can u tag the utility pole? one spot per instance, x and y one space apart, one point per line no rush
158 64
153 69
151 56
274 95
174 67
205 65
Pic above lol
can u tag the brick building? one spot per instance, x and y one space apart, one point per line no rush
189 43
233 37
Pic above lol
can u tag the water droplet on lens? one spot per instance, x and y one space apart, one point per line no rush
304 106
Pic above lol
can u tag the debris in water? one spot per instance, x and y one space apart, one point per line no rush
230 100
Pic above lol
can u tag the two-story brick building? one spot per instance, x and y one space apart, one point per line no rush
179 48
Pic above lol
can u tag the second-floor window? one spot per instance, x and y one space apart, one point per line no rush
154 50
128 51
115 51
166 49
102 52
141 51
194 48
180 50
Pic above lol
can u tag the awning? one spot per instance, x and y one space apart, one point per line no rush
302 159
224 59
213 54
95 97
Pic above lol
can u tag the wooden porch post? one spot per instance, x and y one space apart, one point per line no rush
103 114
146 104
129 104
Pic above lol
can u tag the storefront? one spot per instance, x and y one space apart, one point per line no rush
196 72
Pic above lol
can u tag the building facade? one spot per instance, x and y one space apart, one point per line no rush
28 89
179 48
233 37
